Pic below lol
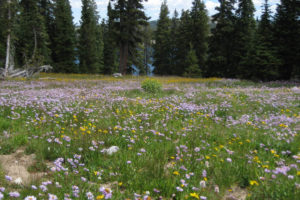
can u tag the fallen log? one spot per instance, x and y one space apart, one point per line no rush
26 73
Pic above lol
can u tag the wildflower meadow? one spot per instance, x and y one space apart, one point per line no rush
98 137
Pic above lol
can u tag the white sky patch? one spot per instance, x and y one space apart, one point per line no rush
210 6
152 7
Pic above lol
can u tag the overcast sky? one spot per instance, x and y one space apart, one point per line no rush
152 7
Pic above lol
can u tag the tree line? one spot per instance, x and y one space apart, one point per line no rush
231 44
239 46
42 32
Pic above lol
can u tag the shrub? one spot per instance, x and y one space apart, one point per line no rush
152 86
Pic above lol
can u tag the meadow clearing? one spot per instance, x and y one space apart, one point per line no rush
92 137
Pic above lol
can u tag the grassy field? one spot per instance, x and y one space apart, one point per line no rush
197 139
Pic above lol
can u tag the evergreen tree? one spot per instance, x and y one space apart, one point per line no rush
63 38
183 41
46 8
162 42
200 31
192 67
263 60
33 41
148 52
89 52
110 48
174 54
129 18
287 39
2 33
100 46
221 41
244 36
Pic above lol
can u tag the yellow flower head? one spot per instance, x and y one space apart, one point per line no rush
100 197
195 195
176 173
254 183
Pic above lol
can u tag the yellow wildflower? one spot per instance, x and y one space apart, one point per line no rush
176 173
195 195
254 183
273 151
100 197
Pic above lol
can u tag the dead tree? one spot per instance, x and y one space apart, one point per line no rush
31 67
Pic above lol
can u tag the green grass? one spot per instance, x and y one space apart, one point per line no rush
185 132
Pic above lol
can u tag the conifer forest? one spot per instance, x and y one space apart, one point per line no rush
230 44
186 105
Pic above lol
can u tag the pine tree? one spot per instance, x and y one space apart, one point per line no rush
244 37
46 8
192 67
263 60
33 41
2 33
129 18
8 19
174 54
200 31
110 48
221 41
63 38
162 42
148 52
183 41
287 40
89 55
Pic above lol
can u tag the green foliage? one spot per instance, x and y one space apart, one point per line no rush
174 44
2 35
90 46
63 52
287 40
110 44
262 60
199 31
129 19
162 37
173 39
244 38
192 67
33 40
220 44
163 136
183 41
151 86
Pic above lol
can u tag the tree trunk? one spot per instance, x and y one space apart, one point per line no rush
35 44
7 63
123 58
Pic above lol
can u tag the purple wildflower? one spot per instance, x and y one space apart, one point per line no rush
8 178
30 198
14 194
90 196
52 197
107 192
